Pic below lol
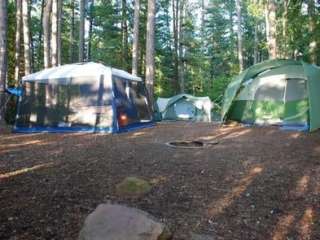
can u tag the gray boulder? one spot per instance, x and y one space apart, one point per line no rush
117 222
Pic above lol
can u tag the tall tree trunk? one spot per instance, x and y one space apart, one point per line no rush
285 29
203 12
312 31
54 31
135 46
81 31
3 43
124 26
39 54
231 25
142 58
90 30
59 26
18 39
150 51
239 33
46 33
175 19
181 45
271 28
32 64
26 37
256 44
71 49
3 53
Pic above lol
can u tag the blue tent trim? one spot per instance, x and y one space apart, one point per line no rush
15 91
61 129
136 126
129 128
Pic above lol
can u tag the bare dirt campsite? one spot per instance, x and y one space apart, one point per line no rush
256 183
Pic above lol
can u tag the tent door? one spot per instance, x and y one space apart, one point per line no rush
295 102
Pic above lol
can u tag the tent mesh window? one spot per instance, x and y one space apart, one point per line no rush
56 105
138 95
130 102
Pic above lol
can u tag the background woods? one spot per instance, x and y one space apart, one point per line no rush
192 46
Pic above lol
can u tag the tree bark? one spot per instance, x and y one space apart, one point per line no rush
59 26
312 32
285 30
3 53
40 37
135 46
18 39
71 49
46 33
90 30
81 31
175 12
233 44
31 40
256 44
26 37
124 26
3 43
271 28
239 33
180 48
150 51
54 31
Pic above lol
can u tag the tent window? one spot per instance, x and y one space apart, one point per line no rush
270 92
58 105
131 102
296 89
138 95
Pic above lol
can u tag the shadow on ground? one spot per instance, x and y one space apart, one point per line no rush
257 183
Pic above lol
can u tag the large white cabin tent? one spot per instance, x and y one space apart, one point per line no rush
86 97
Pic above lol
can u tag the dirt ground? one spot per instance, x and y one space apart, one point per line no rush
257 183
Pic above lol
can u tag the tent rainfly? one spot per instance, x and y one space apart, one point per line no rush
185 107
281 92
87 97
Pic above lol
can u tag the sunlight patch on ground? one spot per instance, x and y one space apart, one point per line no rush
238 134
295 135
158 180
217 207
137 134
317 149
302 185
208 138
24 170
305 224
15 146
283 226
225 132
16 136
26 143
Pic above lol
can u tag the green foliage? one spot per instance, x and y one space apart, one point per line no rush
209 48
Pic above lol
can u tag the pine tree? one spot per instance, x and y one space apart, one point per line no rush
150 62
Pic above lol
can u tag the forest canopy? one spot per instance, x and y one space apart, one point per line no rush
198 44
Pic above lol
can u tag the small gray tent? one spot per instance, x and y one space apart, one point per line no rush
185 107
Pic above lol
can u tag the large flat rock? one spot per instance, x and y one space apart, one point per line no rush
117 222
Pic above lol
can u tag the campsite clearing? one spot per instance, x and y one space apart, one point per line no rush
256 183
